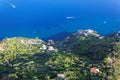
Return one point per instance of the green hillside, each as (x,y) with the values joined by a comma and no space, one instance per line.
(84,55)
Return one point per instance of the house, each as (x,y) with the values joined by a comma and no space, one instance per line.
(51,48)
(43,47)
(51,42)
(60,76)
(94,70)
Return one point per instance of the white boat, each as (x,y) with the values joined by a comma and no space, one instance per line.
(70,17)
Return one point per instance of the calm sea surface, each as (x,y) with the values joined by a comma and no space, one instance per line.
(52,18)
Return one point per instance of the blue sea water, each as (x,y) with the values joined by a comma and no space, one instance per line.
(49,18)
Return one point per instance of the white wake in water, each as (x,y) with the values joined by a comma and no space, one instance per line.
(12,5)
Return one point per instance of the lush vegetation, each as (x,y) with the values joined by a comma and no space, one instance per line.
(23,59)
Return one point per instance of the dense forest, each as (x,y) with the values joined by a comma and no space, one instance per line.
(84,55)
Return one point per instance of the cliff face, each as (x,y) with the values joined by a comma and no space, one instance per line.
(84,55)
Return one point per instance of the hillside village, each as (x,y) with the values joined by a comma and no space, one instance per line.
(83,55)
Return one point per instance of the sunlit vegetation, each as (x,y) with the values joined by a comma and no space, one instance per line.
(23,59)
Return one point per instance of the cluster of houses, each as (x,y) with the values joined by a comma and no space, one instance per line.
(49,46)
(31,41)
(86,32)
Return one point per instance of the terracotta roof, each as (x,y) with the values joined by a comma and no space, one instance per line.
(94,70)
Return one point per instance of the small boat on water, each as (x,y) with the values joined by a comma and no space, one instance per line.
(70,17)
